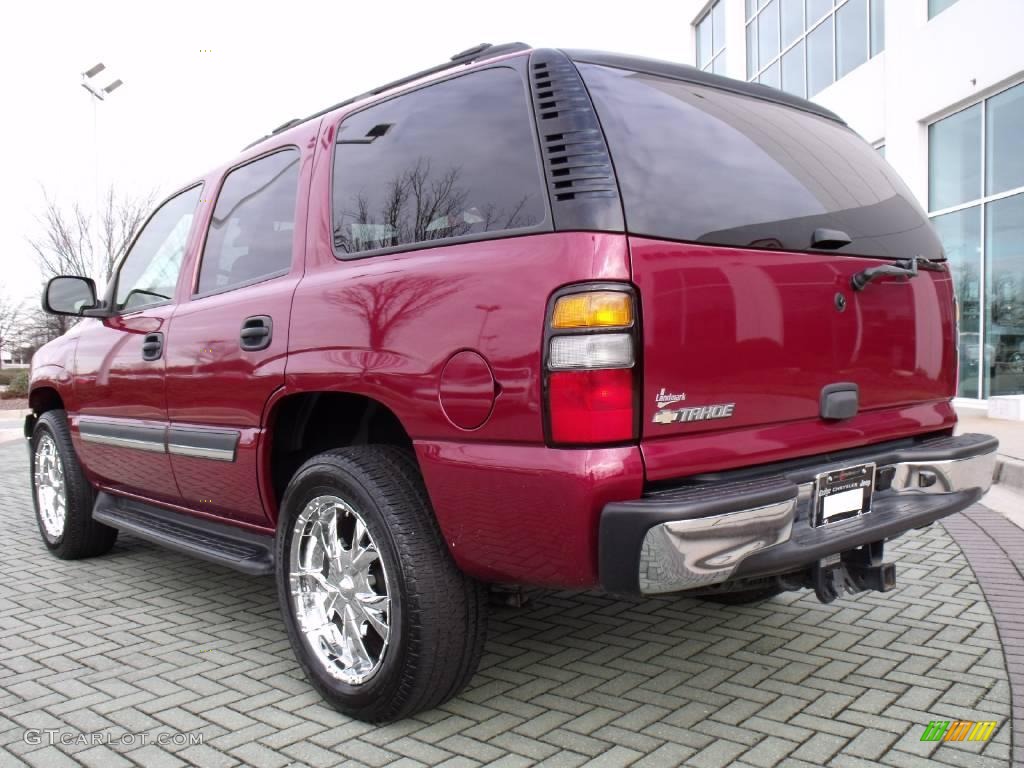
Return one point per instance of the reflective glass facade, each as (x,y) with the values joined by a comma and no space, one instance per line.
(803,46)
(976,201)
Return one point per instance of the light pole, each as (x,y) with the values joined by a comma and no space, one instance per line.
(98,94)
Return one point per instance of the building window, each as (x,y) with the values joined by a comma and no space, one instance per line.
(803,46)
(976,202)
(711,39)
(935,7)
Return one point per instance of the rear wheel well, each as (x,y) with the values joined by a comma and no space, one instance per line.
(43,399)
(303,425)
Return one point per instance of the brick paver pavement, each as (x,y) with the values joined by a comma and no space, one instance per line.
(146,641)
(995,549)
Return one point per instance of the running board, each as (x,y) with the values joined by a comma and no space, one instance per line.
(245,551)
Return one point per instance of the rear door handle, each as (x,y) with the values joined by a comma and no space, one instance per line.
(152,346)
(257,331)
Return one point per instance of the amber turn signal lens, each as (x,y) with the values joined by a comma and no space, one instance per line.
(595,309)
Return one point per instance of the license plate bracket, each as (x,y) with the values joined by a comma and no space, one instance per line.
(841,494)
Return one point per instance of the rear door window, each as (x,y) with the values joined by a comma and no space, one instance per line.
(253,224)
(700,164)
(452,161)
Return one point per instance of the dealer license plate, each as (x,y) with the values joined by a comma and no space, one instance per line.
(843,493)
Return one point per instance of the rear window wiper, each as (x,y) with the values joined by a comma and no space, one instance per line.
(906,268)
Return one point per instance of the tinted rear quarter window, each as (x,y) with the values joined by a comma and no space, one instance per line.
(453,160)
(253,223)
(702,164)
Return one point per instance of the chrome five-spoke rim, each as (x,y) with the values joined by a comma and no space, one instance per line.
(50,491)
(339,589)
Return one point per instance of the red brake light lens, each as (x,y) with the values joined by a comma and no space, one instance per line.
(590,359)
(591,406)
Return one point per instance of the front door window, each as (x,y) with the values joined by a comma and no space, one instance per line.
(149,273)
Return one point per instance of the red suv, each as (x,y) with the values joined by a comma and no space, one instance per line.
(531,317)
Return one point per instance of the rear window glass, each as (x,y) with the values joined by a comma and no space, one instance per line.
(704,165)
(457,159)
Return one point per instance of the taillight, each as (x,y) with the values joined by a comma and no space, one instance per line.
(591,367)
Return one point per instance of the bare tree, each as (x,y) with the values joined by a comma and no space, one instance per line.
(11,312)
(65,247)
(73,243)
(420,205)
(33,329)
(119,221)
(387,305)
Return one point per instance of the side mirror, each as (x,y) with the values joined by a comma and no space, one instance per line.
(69,295)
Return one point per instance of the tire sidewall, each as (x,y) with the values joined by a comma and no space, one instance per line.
(323,479)
(44,427)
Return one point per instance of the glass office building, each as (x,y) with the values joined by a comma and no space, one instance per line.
(938,86)
(976,201)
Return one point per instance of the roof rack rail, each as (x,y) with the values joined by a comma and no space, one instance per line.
(480,52)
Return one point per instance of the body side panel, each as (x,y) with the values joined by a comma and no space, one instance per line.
(115,385)
(385,326)
(526,514)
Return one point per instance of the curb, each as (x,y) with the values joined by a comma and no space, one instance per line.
(1010,473)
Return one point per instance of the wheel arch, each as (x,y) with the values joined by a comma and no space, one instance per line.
(43,398)
(300,425)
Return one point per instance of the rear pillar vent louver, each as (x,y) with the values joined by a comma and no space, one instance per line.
(579,171)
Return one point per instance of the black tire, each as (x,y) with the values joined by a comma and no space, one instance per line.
(437,614)
(744,597)
(78,536)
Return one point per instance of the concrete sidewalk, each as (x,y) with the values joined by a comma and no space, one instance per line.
(12,423)
(1007,495)
(1010,433)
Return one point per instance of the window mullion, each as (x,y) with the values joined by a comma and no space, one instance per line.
(867,28)
(983,272)
(1001,195)
(835,48)
(982,305)
(954,208)
(779,37)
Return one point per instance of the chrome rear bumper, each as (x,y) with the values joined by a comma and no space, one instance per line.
(684,554)
(756,527)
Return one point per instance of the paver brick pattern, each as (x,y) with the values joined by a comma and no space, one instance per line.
(145,640)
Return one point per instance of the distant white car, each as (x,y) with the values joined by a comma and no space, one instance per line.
(970,347)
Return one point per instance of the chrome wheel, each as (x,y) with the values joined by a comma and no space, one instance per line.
(339,590)
(51,493)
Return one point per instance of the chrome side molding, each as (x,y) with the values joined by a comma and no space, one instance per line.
(122,434)
(214,444)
